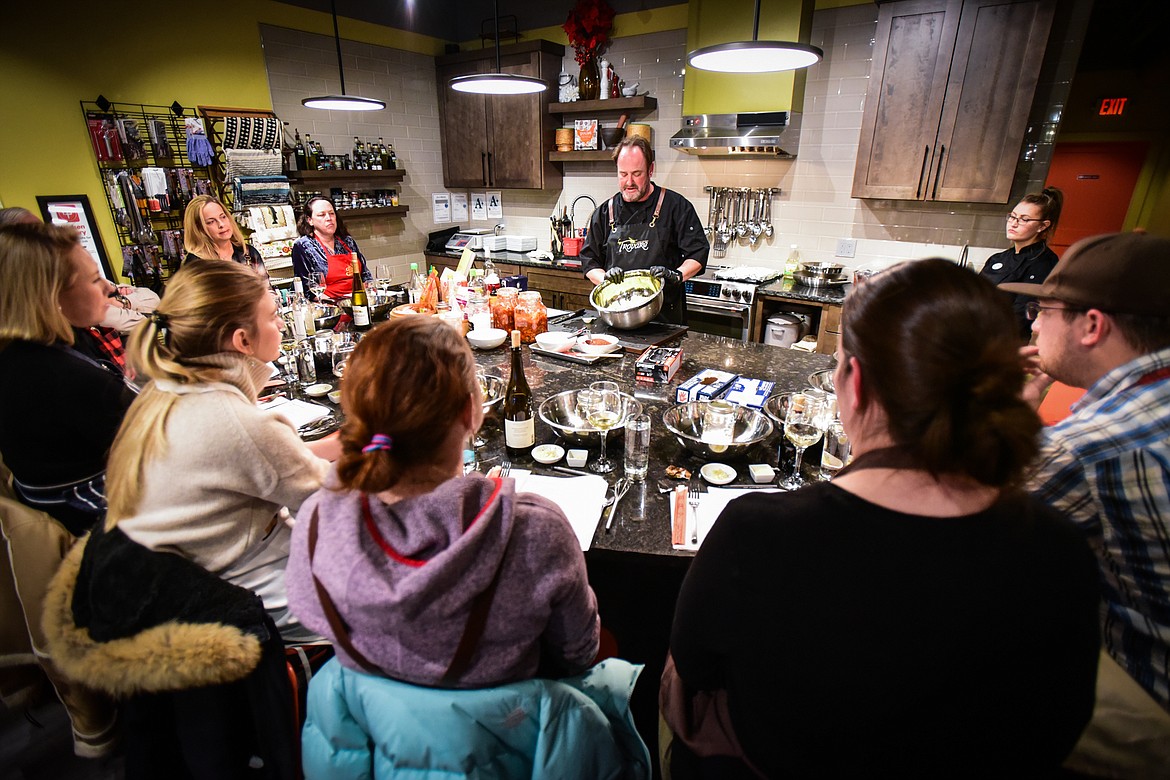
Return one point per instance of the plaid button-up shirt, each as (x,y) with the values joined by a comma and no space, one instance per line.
(1108,467)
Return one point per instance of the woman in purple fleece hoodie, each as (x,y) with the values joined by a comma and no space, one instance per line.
(403,543)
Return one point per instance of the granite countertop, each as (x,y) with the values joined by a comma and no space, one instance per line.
(518,258)
(642,525)
(790,290)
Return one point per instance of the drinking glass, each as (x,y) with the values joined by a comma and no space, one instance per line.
(637,446)
(485,382)
(317,284)
(606,410)
(341,352)
(836,452)
(605,387)
(800,428)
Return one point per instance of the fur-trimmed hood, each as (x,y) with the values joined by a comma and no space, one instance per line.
(126,620)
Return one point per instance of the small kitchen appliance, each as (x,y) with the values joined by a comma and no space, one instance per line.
(472,238)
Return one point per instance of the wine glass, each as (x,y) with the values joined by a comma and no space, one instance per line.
(317,284)
(492,392)
(801,427)
(382,274)
(606,409)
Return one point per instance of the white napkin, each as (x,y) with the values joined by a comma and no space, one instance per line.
(296,411)
(580,498)
(711,505)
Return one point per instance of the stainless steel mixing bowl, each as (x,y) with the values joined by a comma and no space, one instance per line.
(560,413)
(607,295)
(685,421)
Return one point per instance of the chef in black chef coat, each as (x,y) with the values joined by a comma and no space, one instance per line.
(646,226)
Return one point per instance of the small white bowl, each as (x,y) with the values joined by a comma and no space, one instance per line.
(577,458)
(318,390)
(717,473)
(762,473)
(553,339)
(486,338)
(601,344)
(335,397)
(547,453)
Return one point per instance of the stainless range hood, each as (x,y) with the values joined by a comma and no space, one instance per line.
(757,134)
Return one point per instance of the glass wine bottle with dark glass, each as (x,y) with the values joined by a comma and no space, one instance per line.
(519,424)
(359,302)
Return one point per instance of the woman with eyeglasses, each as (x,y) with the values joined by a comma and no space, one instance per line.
(1029,226)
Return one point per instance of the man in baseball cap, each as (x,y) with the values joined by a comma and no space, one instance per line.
(1102,322)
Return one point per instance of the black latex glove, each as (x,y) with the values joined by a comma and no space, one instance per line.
(615,275)
(668,276)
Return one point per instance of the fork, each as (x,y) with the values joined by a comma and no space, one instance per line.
(505,467)
(694,495)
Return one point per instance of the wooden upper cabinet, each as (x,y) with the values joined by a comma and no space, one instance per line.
(499,140)
(950,89)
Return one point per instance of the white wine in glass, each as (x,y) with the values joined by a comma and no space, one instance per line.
(800,428)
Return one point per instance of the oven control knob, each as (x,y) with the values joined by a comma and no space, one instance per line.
(747,296)
(726,293)
(739,294)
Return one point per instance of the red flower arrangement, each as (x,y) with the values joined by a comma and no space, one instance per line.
(588,28)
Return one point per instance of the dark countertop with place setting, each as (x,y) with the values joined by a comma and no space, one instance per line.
(642,525)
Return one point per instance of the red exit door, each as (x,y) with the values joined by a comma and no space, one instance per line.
(1098,181)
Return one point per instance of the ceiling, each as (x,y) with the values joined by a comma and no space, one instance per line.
(461,20)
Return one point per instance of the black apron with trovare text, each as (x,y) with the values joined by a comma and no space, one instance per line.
(639,245)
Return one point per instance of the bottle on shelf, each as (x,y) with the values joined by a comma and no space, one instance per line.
(301,160)
(415,285)
(792,264)
(519,425)
(359,303)
(383,155)
(393,158)
(311,161)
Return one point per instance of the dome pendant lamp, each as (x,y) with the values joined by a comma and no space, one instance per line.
(497,83)
(755,56)
(342,102)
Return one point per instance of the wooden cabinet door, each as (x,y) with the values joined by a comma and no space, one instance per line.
(514,131)
(998,52)
(907,83)
(463,129)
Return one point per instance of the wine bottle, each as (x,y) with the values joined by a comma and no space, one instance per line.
(302,161)
(311,161)
(415,286)
(359,303)
(519,425)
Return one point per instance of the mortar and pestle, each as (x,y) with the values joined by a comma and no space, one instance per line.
(612,136)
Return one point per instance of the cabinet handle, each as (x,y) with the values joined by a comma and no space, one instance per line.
(491,173)
(483,166)
(922,172)
(938,172)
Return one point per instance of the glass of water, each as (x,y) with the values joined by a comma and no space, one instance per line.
(637,446)
(836,452)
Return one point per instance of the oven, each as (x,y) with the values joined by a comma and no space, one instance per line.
(719,307)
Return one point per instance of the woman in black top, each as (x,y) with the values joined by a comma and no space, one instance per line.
(59,409)
(919,616)
(1029,227)
(211,233)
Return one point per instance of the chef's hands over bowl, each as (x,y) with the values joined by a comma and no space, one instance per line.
(615,275)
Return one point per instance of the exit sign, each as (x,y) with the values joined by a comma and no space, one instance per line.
(1112,106)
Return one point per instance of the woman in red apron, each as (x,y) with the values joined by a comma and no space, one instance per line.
(326,247)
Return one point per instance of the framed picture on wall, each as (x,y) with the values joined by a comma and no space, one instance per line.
(74,211)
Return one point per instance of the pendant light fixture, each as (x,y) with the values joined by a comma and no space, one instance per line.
(755,56)
(498,83)
(342,102)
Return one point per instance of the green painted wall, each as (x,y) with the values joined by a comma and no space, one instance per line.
(54,55)
(722,21)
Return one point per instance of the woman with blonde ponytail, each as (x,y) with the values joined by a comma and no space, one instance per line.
(919,615)
(197,468)
(403,544)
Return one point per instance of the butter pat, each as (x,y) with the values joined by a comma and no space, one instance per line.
(577,458)
(762,473)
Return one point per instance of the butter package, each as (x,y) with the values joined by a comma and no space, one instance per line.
(704,386)
(658,364)
(749,392)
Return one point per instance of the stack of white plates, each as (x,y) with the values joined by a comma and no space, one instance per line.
(495,243)
(520,243)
